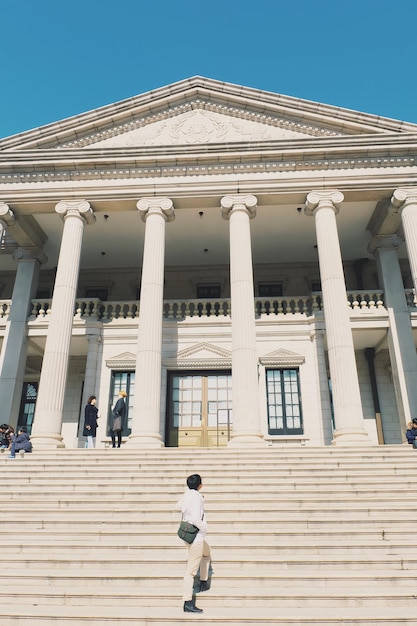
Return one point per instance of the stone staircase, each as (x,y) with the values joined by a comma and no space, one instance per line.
(320,536)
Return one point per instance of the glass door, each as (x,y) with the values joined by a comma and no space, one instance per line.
(199,409)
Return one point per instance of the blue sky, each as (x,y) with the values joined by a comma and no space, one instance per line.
(60,58)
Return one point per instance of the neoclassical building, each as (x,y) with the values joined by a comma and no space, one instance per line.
(242,263)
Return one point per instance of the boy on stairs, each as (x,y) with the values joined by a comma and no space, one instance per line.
(192,509)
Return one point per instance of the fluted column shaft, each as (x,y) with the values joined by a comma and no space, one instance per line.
(147,408)
(90,377)
(246,418)
(48,415)
(347,404)
(14,349)
(401,347)
(405,200)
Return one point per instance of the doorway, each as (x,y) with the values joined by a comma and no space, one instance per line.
(199,411)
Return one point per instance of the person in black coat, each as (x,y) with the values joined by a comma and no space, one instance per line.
(411,432)
(21,443)
(90,421)
(117,420)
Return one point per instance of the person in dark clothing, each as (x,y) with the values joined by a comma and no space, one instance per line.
(4,442)
(21,443)
(90,421)
(411,432)
(117,420)
(7,434)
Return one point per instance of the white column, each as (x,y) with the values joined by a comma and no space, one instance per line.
(401,347)
(146,426)
(49,406)
(14,349)
(405,201)
(90,377)
(347,404)
(239,209)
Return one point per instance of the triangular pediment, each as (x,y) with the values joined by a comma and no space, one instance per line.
(125,360)
(200,126)
(203,350)
(281,358)
(202,111)
(200,355)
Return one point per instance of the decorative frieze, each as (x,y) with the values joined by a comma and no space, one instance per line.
(199,104)
(256,166)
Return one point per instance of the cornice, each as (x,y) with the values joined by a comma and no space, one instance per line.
(263,157)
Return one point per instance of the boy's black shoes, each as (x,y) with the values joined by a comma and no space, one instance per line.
(190,607)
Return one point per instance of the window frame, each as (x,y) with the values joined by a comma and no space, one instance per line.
(285,430)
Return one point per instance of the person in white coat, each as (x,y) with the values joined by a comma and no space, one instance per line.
(192,508)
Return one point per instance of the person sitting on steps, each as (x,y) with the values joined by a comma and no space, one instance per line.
(411,432)
(21,443)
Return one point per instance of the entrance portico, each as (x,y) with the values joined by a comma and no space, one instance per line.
(294,303)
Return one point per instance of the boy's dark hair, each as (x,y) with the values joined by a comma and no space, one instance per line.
(23,429)
(194,481)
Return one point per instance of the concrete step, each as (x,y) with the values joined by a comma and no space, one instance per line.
(77,526)
(131,501)
(234,518)
(163,536)
(212,616)
(230,597)
(86,549)
(76,578)
(263,565)
(347,493)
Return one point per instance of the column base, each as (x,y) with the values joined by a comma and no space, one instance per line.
(47,442)
(351,437)
(139,442)
(246,440)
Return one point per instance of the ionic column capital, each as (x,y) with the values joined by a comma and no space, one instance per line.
(29,254)
(163,206)
(323,199)
(239,202)
(7,217)
(384,242)
(403,197)
(76,208)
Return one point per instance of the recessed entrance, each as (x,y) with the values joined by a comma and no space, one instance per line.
(199,409)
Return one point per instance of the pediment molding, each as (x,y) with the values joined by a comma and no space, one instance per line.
(123,361)
(200,356)
(272,110)
(198,122)
(282,358)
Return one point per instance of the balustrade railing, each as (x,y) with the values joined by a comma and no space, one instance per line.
(366,299)
(360,301)
(179,309)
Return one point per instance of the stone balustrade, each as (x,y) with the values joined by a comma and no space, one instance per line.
(179,309)
(366,300)
(358,301)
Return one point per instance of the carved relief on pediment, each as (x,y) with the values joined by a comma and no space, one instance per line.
(198,126)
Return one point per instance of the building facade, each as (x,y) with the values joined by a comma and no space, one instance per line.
(243,264)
